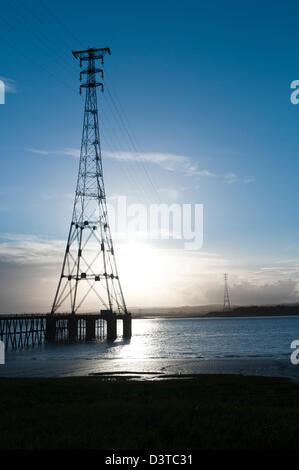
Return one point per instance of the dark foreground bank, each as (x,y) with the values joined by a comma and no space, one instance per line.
(198,412)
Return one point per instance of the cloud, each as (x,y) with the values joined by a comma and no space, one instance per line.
(40,152)
(230,178)
(205,173)
(168,161)
(10,84)
(29,249)
(71,152)
(164,159)
(174,163)
(67,151)
(283,290)
(33,264)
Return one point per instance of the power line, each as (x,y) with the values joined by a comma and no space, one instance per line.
(117,108)
(42,38)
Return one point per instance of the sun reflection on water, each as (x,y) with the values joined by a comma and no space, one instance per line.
(142,344)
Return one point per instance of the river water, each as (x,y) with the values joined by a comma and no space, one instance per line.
(159,347)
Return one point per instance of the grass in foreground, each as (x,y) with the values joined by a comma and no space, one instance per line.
(203,412)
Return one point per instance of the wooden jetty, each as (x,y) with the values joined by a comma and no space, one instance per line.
(28,330)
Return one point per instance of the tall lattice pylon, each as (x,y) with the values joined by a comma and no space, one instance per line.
(226,301)
(89,279)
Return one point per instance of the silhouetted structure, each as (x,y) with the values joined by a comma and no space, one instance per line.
(89,273)
(226,301)
(89,267)
(28,330)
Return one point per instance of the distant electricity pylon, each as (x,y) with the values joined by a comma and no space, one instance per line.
(89,279)
(226,301)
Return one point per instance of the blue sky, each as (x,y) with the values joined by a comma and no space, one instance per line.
(199,86)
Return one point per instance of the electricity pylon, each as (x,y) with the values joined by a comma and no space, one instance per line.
(226,302)
(89,279)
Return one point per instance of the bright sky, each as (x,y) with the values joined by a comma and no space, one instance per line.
(196,109)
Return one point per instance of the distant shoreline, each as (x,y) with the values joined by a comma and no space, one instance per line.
(216,311)
(204,312)
(211,315)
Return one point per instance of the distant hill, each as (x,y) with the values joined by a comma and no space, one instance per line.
(258,310)
(215,310)
(184,311)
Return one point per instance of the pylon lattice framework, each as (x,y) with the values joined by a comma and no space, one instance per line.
(226,301)
(89,279)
